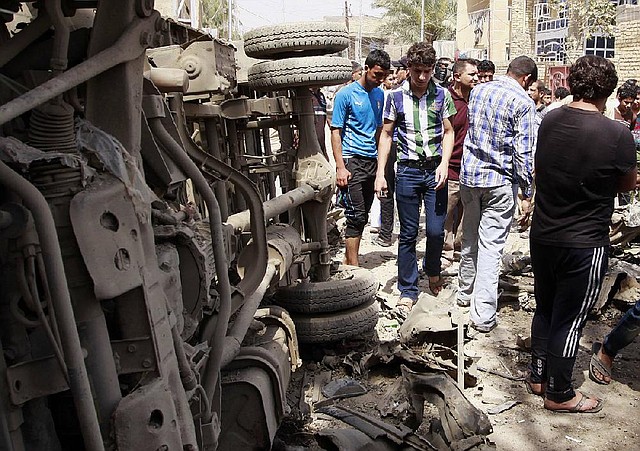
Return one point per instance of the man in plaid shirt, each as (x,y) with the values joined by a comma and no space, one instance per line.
(497,157)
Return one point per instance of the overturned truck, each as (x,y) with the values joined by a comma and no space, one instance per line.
(144,217)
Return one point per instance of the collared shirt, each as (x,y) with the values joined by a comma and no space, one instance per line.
(460,123)
(359,114)
(419,121)
(498,149)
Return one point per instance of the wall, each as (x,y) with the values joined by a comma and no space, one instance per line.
(627,41)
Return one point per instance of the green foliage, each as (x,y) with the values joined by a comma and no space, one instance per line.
(402,20)
(214,14)
(586,19)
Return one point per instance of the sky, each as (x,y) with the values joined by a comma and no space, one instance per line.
(256,13)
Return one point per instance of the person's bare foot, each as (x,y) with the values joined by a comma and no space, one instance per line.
(580,403)
(435,284)
(535,388)
(600,365)
(606,361)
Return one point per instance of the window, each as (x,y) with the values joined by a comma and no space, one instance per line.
(541,10)
(562,10)
(550,50)
(601,46)
(627,2)
(555,24)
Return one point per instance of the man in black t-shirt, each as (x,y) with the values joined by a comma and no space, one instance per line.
(582,160)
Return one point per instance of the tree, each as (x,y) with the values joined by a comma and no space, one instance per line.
(403,18)
(587,18)
(215,15)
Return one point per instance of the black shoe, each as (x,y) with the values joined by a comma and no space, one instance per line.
(382,242)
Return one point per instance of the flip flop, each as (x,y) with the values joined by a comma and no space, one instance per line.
(578,407)
(531,391)
(595,364)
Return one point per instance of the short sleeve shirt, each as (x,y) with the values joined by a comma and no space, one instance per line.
(419,121)
(580,157)
(358,114)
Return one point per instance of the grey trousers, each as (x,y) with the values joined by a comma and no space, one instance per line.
(488,213)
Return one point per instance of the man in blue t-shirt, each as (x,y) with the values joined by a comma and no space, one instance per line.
(355,128)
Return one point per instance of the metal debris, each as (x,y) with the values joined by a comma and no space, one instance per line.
(343,388)
(459,420)
(502,407)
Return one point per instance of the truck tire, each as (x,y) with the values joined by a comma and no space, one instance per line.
(303,71)
(349,287)
(331,327)
(296,39)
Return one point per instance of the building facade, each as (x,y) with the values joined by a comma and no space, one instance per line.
(502,29)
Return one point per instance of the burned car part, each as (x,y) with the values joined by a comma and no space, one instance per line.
(144,215)
(347,288)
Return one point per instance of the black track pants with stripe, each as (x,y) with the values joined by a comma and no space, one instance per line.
(567,284)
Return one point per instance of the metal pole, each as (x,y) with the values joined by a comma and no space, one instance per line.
(359,50)
(422,23)
(230,19)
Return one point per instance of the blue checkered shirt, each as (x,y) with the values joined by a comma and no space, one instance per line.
(498,148)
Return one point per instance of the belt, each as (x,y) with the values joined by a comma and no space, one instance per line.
(428,164)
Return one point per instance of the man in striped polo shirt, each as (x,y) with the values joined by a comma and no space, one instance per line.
(496,158)
(420,111)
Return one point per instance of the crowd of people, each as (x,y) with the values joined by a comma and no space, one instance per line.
(452,141)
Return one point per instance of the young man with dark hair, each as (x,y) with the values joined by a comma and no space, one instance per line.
(536,92)
(546,97)
(356,71)
(623,113)
(355,128)
(560,93)
(419,109)
(442,71)
(401,70)
(497,157)
(465,77)
(486,70)
(582,160)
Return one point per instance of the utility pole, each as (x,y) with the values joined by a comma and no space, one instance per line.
(230,17)
(346,22)
(422,23)
(359,43)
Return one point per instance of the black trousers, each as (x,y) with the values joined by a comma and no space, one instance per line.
(567,285)
(387,204)
(356,198)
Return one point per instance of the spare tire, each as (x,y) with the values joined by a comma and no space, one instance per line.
(330,327)
(349,287)
(296,39)
(295,72)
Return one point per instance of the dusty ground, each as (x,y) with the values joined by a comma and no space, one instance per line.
(525,426)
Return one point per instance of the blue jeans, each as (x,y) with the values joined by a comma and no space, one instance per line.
(412,185)
(625,331)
